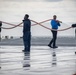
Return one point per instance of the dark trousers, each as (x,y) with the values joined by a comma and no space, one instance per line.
(53,41)
(27,40)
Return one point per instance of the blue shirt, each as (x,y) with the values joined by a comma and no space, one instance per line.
(54,24)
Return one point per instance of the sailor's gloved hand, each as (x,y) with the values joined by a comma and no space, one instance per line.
(59,21)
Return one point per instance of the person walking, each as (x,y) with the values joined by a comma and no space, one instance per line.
(26,33)
(54,23)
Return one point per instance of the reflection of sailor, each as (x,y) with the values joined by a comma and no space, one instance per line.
(54,60)
(26,60)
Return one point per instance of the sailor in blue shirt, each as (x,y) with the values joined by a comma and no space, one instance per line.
(55,24)
(26,33)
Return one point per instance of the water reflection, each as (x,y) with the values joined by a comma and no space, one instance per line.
(26,61)
(54,58)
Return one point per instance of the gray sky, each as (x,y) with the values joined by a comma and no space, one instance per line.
(34,0)
(39,10)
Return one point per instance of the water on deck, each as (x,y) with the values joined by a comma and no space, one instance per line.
(41,60)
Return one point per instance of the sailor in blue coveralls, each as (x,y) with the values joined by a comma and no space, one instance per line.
(54,23)
(26,33)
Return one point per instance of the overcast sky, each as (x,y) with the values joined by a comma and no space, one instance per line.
(39,10)
(14,10)
(34,0)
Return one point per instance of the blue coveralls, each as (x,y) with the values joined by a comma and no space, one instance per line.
(26,34)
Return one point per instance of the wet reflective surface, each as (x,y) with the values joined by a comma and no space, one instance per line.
(41,60)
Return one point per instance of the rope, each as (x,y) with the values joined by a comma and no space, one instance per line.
(22,26)
(50,28)
(14,26)
(19,25)
(41,22)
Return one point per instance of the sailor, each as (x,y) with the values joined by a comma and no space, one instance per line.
(55,24)
(26,33)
